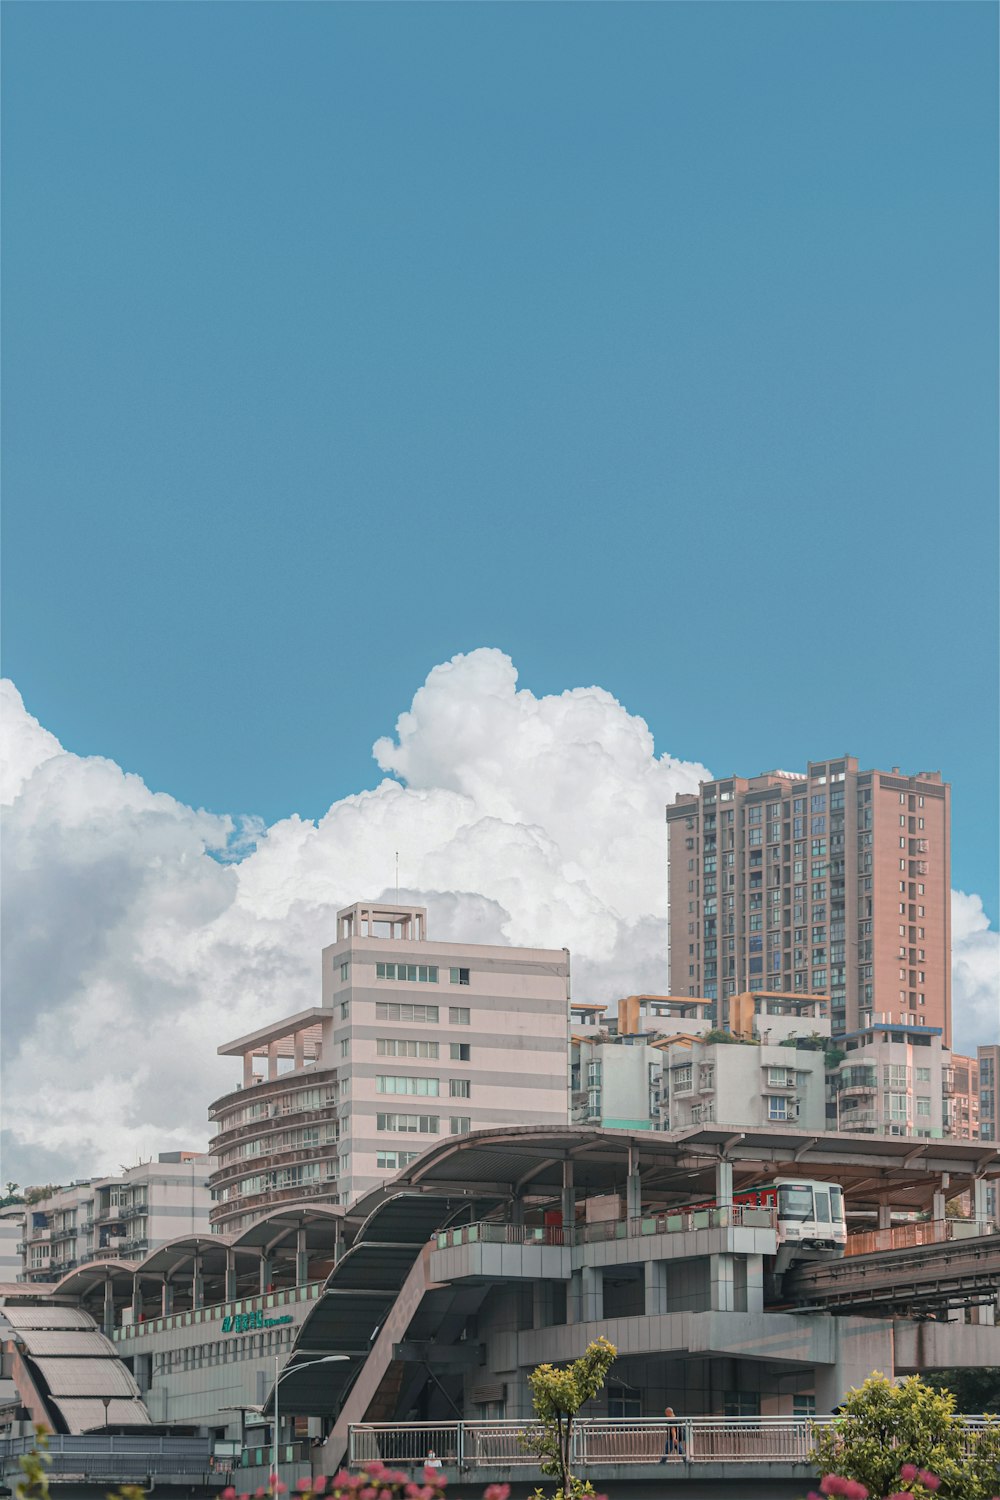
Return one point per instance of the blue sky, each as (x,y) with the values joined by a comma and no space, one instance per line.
(653,344)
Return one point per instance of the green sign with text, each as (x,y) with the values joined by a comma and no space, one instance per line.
(246,1322)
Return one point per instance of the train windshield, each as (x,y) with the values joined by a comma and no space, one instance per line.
(795,1203)
(837,1204)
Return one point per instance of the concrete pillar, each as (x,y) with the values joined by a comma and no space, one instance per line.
(633,1196)
(197,1284)
(301,1258)
(884,1216)
(517,1211)
(568,1196)
(300,1049)
(272,1060)
(755,1283)
(166,1298)
(247,1069)
(109,1307)
(591,1294)
(938,1207)
(265,1271)
(541,1304)
(979,1209)
(229,1295)
(724,1183)
(859,1345)
(656,1288)
(136,1298)
(722,1297)
(574,1298)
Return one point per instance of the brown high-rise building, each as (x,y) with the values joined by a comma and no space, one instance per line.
(836,882)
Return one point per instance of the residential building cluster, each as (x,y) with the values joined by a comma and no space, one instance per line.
(115,1218)
(809,959)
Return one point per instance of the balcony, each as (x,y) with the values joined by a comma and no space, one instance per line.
(249,1166)
(274,1198)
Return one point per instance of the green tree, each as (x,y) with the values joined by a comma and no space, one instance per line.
(976,1391)
(557,1395)
(884,1426)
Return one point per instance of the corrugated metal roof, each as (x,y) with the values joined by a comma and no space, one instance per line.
(87,1377)
(81,1415)
(47,1317)
(81,1343)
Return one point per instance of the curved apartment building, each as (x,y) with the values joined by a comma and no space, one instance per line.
(413,1040)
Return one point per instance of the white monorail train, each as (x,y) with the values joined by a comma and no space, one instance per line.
(810,1217)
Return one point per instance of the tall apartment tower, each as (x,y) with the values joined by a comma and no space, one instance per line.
(835,882)
(413,1040)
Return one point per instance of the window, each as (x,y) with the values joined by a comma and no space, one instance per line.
(460,1088)
(394,1046)
(777,1109)
(345,970)
(803,1406)
(391,1161)
(742,1403)
(461,1052)
(408,973)
(923,1106)
(345,1010)
(923,1075)
(461,1124)
(345,1046)
(387,1010)
(459,1015)
(389,1084)
(410,1124)
(459,976)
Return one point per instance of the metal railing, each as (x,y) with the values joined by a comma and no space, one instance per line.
(486,1232)
(599,1442)
(113,1459)
(911,1236)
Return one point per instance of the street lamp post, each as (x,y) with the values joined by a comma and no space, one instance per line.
(279,1375)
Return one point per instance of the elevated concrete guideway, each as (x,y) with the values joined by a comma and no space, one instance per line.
(920,1279)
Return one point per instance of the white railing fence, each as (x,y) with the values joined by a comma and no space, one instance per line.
(598,1442)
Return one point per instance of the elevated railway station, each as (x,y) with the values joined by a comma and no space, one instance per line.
(712,1258)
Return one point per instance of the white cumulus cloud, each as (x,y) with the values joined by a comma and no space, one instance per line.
(140,933)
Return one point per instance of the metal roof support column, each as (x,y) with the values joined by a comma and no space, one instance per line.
(136,1298)
(885,1214)
(109,1306)
(724,1183)
(265,1272)
(301,1258)
(633,1186)
(167,1298)
(229,1294)
(197,1284)
(940,1199)
(568,1195)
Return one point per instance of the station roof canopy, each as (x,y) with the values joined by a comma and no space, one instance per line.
(529,1162)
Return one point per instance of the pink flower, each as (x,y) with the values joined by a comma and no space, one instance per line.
(928,1480)
(260,1493)
(278,1488)
(831,1484)
(908,1473)
(496,1492)
(229,1493)
(319,1485)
